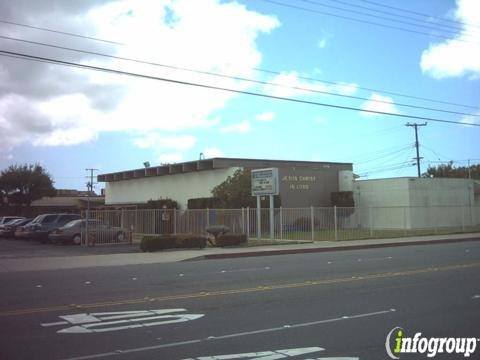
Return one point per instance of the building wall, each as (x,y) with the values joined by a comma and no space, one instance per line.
(382,203)
(415,203)
(302,183)
(307,186)
(178,187)
(451,199)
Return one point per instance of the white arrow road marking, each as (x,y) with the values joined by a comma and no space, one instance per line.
(90,328)
(55,323)
(110,321)
(476,297)
(264,355)
(273,355)
(222,337)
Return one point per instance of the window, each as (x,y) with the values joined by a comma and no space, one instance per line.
(48,219)
(63,219)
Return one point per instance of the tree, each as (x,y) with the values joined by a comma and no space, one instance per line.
(22,184)
(450,171)
(236,192)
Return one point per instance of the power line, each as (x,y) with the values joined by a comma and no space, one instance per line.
(212,87)
(362,21)
(388,159)
(376,152)
(391,167)
(406,159)
(59,32)
(436,153)
(416,13)
(385,155)
(301,88)
(454,32)
(454,161)
(456,28)
(272,72)
(372,89)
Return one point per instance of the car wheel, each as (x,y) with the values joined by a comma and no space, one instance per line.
(120,237)
(77,239)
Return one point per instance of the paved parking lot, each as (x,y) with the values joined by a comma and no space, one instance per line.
(11,248)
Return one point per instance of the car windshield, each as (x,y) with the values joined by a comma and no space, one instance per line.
(24,222)
(13,222)
(37,219)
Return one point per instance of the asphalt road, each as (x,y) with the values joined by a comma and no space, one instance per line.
(325,305)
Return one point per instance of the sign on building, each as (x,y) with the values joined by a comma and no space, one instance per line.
(265,182)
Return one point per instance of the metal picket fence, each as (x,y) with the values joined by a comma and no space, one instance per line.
(309,224)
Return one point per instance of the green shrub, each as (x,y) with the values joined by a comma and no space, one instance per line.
(151,243)
(230,239)
(190,241)
(203,203)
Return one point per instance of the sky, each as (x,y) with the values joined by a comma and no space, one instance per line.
(341,62)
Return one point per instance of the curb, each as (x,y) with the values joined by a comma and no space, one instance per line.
(326,249)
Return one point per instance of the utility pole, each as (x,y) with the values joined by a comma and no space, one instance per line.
(417,145)
(90,190)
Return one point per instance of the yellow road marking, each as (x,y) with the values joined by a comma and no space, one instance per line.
(238,291)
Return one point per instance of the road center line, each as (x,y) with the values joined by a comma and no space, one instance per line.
(241,290)
(229,336)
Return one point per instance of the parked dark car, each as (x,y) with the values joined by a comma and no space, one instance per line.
(71,233)
(44,224)
(8,230)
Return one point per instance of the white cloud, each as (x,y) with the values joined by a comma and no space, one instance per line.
(62,120)
(170,158)
(265,116)
(239,128)
(460,55)
(289,84)
(62,106)
(379,103)
(156,141)
(212,153)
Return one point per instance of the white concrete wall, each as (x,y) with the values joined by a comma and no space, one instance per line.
(415,203)
(178,187)
(382,192)
(452,200)
(382,203)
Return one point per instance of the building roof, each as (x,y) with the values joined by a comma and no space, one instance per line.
(210,164)
(66,201)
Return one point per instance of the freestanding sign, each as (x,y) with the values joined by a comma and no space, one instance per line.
(265,182)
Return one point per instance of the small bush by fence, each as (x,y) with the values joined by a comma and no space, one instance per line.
(151,243)
(231,239)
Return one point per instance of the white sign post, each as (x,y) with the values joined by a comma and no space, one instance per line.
(265,182)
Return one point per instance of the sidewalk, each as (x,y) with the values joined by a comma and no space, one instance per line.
(136,258)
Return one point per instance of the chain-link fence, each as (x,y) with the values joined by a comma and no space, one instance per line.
(311,224)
